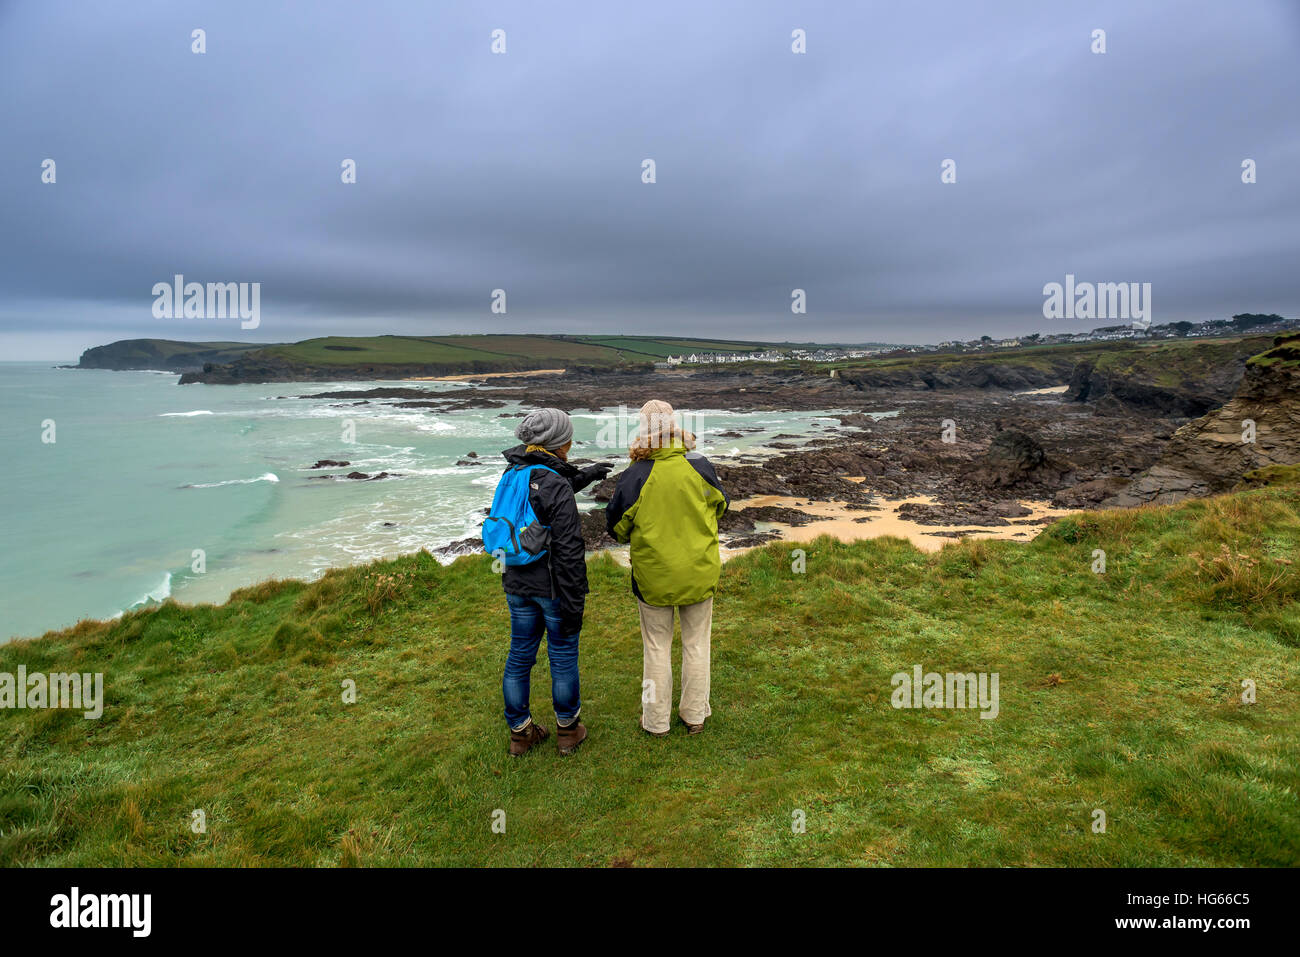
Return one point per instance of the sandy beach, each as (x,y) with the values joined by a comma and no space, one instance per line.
(850,525)
(1048,390)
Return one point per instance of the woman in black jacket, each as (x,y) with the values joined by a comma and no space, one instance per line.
(548,595)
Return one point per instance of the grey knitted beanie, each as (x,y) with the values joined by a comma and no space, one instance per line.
(549,428)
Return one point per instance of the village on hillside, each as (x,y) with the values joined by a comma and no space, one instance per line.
(1256,323)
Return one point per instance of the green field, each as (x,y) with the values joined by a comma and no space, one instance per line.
(435,350)
(505,351)
(663,347)
(1120,692)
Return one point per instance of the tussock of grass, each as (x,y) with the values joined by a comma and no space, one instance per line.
(1120,692)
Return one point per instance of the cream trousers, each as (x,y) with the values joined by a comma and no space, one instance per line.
(657,671)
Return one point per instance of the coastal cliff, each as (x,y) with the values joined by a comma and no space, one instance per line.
(167,355)
(1258,428)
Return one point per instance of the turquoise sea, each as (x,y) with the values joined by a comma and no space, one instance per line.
(142,473)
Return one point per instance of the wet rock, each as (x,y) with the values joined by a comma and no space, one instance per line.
(1089,494)
(604,490)
(1016,459)
(857,420)
(780,514)
(594,533)
(1015,450)
(950,514)
(752,541)
(464,546)
(735,520)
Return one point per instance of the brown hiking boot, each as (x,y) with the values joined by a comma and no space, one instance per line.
(691,728)
(521,742)
(653,734)
(568,739)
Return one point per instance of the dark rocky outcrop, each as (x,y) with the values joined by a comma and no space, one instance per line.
(744,519)
(1215,452)
(1185,380)
(594,533)
(1089,494)
(969,374)
(1015,459)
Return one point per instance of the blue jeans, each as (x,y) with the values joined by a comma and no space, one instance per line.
(529,618)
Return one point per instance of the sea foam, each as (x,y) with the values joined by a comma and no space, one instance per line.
(265,477)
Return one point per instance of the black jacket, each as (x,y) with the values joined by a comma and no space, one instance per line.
(563,572)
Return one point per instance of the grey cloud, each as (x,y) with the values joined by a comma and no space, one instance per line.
(523,171)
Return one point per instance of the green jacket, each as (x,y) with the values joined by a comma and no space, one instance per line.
(668,507)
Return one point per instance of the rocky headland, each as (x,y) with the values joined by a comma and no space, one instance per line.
(973,445)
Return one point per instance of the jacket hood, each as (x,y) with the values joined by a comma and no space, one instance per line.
(518,456)
(665,451)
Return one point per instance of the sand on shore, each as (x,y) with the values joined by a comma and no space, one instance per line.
(481,375)
(842,523)
(1050,390)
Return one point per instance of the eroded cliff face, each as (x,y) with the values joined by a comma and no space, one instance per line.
(1258,427)
(1190,380)
(1176,378)
(940,375)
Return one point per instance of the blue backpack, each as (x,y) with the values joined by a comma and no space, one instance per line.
(511,531)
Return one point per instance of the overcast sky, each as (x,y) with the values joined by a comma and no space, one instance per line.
(523,171)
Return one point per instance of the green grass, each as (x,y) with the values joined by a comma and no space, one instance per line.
(501,352)
(1120,692)
(1285,354)
(393,350)
(504,352)
(662,347)
(1172,362)
(1272,475)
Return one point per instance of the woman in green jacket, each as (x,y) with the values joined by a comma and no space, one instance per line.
(667,504)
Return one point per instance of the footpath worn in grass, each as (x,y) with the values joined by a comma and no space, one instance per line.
(1120,692)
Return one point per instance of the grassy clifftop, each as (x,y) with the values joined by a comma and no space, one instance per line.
(1119,692)
(1169,376)
(399,356)
(162,354)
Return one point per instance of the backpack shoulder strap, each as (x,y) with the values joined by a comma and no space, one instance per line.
(534,467)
